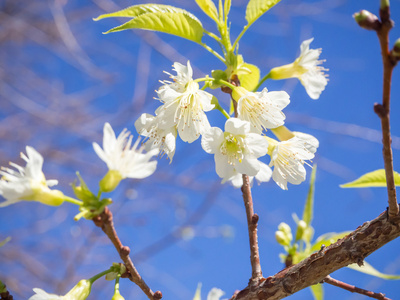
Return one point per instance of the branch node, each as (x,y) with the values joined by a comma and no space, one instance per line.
(380,110)
(125,251)
(157,295)
(254,219)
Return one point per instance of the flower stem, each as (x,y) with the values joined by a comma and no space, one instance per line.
(208,48)
(95,277)
(240,35)
(223,111)
(73,200)
(226,83)
(261,81)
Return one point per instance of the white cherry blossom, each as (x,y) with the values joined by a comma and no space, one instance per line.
(28,183)
(184,105)
(155,137)
(288,158)
(120,155)
(236,150)
(79,292)
(262,109)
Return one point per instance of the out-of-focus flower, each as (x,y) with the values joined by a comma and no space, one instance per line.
(28,183)
(236,150)
(184,105)
(262,109)
(79,292)
(123,160)
(288,158)
(306,68)
(155,137)
(214,294)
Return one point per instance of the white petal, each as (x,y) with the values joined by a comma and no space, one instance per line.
(257,143)
(215,294)
(237,126)
(212,139)
(249,166)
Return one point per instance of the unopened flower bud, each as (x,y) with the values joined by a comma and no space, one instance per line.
(285,228)
(367,20)
(301,227)
(117,296)
(281,238)
(110,181)
(80,291)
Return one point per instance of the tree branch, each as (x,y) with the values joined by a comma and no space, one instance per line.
(105,222)
(252,220)
(383,110)
(351,288)
(351,249)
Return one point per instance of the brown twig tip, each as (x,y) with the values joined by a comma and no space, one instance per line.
(254,219)
(97,221)
(125,251)
(380,110)
(157,295)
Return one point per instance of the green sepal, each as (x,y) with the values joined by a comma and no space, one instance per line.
(370,270)
(158,17)
(372,179)
(82,191)
(218,75)
(89,211)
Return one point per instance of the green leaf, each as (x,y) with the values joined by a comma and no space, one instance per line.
(249,75)
(372,179)
(370,270)
(317,291)
(5,241)
(328,239)
(197,295)
(209,8)
(162,18)
(309,206)
(256,8)
(227,6)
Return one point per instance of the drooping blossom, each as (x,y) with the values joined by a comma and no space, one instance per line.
(28,183)
(236,150)
(307,69)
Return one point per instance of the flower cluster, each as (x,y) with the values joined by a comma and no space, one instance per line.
(237,150)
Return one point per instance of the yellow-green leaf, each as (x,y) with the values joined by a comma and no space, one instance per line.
(317,291)
(249,75)
(197,295)
(309,206)
(209,8)
(372,179)
(256,8)
(227,7)
(162,18)
(370,270)
(328,239)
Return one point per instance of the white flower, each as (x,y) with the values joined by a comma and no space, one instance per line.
(264,175)
(288,158)
(79,292)
(28,183)
(262,109)
(307,69)
(236,150)
(162,139)
(120,156)
(184,105)
(214,294)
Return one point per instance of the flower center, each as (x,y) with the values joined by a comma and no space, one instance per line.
(233,147)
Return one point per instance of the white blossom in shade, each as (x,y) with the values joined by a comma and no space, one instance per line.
(288,158)
(79,292)
(264,175)
(164,140)
(184,105)
(262,109)
(120,155)
(307,69)
(236,150)
(28,183)
(215,294)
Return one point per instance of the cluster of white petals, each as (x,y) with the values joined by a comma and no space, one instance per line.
(120,155)
(214,293)
(313,78)
(28,183)
(288,158)
(263,109)
(236,150)
(42,295)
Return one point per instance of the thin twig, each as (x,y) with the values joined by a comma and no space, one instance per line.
(351,288)
(252,220)
(383,110)
(105,222)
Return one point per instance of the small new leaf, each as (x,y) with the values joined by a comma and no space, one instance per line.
(328,239)
(317,291)
(256,8)
(162,18)
(209,8)
(370,270)
(373,179)
(249,75)
(309,206)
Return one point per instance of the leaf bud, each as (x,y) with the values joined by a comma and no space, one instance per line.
(396,49)
(385,4)
(367,20)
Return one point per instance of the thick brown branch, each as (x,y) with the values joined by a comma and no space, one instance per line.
(105,222)
(252,220)
(383,110)
(354,289)
(351,249)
